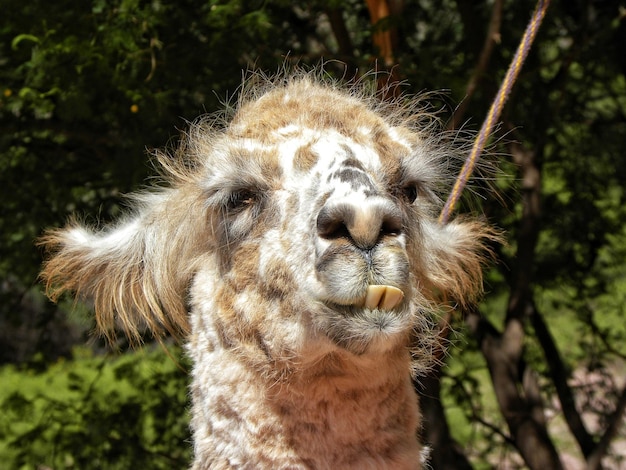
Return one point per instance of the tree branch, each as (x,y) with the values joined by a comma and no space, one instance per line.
(382,38)
(559,376)
(529,228)
(594,460)
(384,41)
(515,387)
(344,43)
(528,433)
(445,453)
(492,37)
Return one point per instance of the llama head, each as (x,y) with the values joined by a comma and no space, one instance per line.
(309,220)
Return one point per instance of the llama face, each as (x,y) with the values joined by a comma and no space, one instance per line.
(307,221)
(312,203)
(297,249)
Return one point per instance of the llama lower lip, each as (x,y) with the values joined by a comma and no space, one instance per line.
(382,297)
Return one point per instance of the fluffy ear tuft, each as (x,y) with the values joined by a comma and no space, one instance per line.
(136,273)
(459,250)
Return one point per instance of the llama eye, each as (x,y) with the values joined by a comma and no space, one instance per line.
(239,200)
(410,193)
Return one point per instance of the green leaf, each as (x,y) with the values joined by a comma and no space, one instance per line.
(23,37)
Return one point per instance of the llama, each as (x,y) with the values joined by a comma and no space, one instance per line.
(295,247)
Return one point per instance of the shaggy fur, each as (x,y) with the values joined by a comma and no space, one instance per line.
(260,250)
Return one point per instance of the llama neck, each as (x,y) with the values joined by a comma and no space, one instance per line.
(343,411)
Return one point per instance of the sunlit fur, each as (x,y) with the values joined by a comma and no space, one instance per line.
(289,369)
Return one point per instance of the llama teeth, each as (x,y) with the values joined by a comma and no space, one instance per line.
(383,297)
(373,296)
(392,297)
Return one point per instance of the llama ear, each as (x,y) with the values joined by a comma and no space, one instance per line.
(460,250)
(136,273)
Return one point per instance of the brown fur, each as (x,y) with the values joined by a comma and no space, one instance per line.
(289,368)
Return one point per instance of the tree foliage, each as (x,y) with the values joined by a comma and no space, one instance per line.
(97,412)
(535,374)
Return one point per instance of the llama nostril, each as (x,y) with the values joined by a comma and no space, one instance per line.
(391,223)
(364,225)
(333,221)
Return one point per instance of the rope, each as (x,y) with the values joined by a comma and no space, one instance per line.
(496,109)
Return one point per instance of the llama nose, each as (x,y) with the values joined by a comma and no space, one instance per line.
(364,223)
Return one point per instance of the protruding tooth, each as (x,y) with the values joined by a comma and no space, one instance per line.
(373,296)
(392,297)
(382,297)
